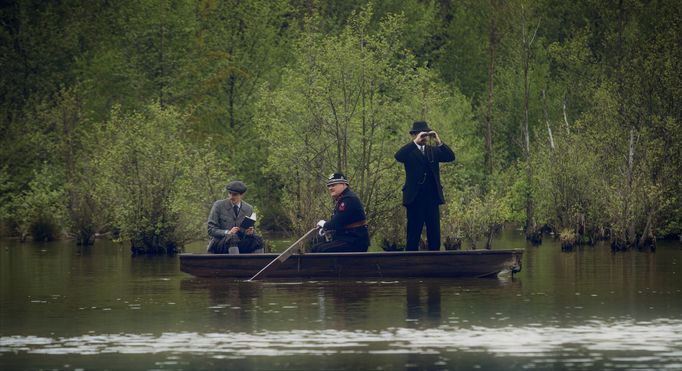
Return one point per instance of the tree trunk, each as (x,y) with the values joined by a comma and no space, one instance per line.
(80,205)
(568,127)
(530,224)
(492,48)
(231,82)
(489,237)
(549,128)
(161,57)
(647,239)
(530,210)
(627,217)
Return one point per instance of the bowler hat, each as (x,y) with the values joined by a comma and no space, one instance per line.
(419,126)
(236,186)
(336,178)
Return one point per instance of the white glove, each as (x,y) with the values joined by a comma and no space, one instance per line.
(321,224)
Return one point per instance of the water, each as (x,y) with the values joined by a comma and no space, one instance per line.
(67,307)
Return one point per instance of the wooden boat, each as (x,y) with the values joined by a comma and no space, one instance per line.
(353,265)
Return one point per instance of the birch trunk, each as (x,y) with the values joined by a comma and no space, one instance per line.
(549,128)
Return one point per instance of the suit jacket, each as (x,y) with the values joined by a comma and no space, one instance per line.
(418,166)
(222,218)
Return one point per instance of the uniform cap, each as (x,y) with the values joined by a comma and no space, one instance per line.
(336,178)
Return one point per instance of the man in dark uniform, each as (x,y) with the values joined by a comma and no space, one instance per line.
(225,221)
(422,192)
(348,225)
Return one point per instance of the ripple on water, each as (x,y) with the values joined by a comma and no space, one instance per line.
(656,343)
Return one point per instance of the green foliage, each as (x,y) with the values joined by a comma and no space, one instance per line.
(566,186)
(158,187)
(462,57)
(5,197)
(239,46)
(40,210)
(513,184)
(345,105)
(568,239)
(280,94)
(474,216)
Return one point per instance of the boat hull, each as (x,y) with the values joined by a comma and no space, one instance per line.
(414,264)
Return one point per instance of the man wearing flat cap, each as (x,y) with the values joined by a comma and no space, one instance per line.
(423,192)
(347,228)
(225,224)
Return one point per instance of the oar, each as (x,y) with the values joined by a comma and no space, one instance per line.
(282,257)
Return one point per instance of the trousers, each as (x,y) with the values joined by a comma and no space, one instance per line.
(423,211)
(349,240)
(247,245)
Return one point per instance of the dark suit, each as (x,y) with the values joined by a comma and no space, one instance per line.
(423,192)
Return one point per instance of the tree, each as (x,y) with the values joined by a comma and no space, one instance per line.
(240,45)
(528,36)
(158,186)
(40,211)
(342,106)
(476,216)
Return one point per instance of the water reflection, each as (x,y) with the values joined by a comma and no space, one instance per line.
(587,309)
(423,302)
(423,309)
(255,304)
(143,266)
(344,304)
(229,305)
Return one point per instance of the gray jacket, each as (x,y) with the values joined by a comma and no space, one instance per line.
(222,219)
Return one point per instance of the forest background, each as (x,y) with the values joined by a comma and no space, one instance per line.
(127,118)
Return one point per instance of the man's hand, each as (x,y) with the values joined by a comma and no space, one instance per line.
(233,231)
(320,224)
(249,231)
(436,138)
(421,138)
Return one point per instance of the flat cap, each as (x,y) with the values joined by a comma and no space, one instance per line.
(236,186)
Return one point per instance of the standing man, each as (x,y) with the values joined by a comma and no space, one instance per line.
(422,192)
(348,225)
(224,221)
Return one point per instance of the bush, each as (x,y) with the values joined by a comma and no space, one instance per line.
(158,186)
(474,216)
(40,211)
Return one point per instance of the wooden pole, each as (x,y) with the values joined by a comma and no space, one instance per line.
(283,256)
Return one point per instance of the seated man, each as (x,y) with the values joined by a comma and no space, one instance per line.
(348,226)
(224,221)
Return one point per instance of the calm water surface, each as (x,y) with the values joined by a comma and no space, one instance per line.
(67,307)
